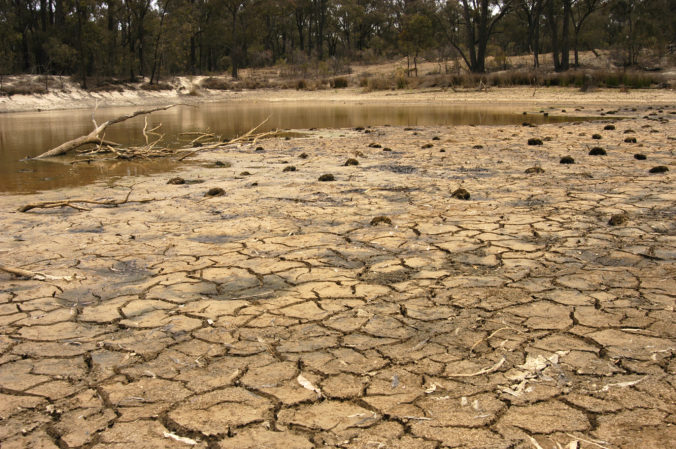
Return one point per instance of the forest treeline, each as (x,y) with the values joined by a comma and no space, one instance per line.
(128,39)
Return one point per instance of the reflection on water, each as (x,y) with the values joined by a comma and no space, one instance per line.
(30,134)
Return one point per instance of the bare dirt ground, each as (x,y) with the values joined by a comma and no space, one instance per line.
(282,315)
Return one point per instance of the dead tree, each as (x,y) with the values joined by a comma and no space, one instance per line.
(95,137)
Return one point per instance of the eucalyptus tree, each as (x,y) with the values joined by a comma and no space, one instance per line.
(468,26)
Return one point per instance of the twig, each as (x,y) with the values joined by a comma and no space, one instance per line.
(534,442)
(490,336)
(589,441)
(480,372)
(74,205)
(217,144)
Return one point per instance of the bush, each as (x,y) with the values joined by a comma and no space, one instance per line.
(301,85)
(380,83)
(215,84)
(339,83)
(156,87)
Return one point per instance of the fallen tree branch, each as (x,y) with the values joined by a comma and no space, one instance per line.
(35,275)
(74,203)
(94,136)
(244,136)
(480,372)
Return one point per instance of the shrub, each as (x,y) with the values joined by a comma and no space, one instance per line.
(216,84)
(156,87)
(339,83)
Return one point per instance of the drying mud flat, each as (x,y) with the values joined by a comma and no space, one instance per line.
(374,310)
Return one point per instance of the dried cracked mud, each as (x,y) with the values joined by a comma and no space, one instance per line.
(279,316)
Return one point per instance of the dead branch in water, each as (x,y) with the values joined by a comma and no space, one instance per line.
(248,135)
(95,137)
(78,204)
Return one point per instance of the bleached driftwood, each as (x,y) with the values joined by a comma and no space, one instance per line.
(95,137)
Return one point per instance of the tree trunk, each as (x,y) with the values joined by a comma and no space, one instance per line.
(553,29)
(565,36)
(234,53)
(81,15)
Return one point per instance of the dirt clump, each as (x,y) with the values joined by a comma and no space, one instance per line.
(460,194)
(381,219)
(659,169)
(215,191)
(618,219)
(535,170)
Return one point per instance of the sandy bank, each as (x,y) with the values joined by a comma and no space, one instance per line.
(560,97)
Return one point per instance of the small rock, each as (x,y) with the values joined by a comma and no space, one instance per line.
(460,194)
(381,220)
(215,191)
(533,170)
(630,140)
(303,156)
(597,151)
(618,219)
(534,141)
(289,168)
(427,145)
(597,136)
(327,177)
(478,147)
(659,169)
(351,161)
(176,181)
(640,157)
(609,127)
(259,149)
(436,138)
(387,149)
(374,145)
(567,160)
(245,173)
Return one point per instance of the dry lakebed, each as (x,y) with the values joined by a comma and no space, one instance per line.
(448,287)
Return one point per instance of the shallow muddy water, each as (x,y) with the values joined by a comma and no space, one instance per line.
(30,134)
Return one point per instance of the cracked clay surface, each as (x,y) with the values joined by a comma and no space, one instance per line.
(277,316)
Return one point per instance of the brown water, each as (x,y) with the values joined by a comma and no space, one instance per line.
(30,134)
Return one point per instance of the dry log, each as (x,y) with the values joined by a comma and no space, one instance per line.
(94,137)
